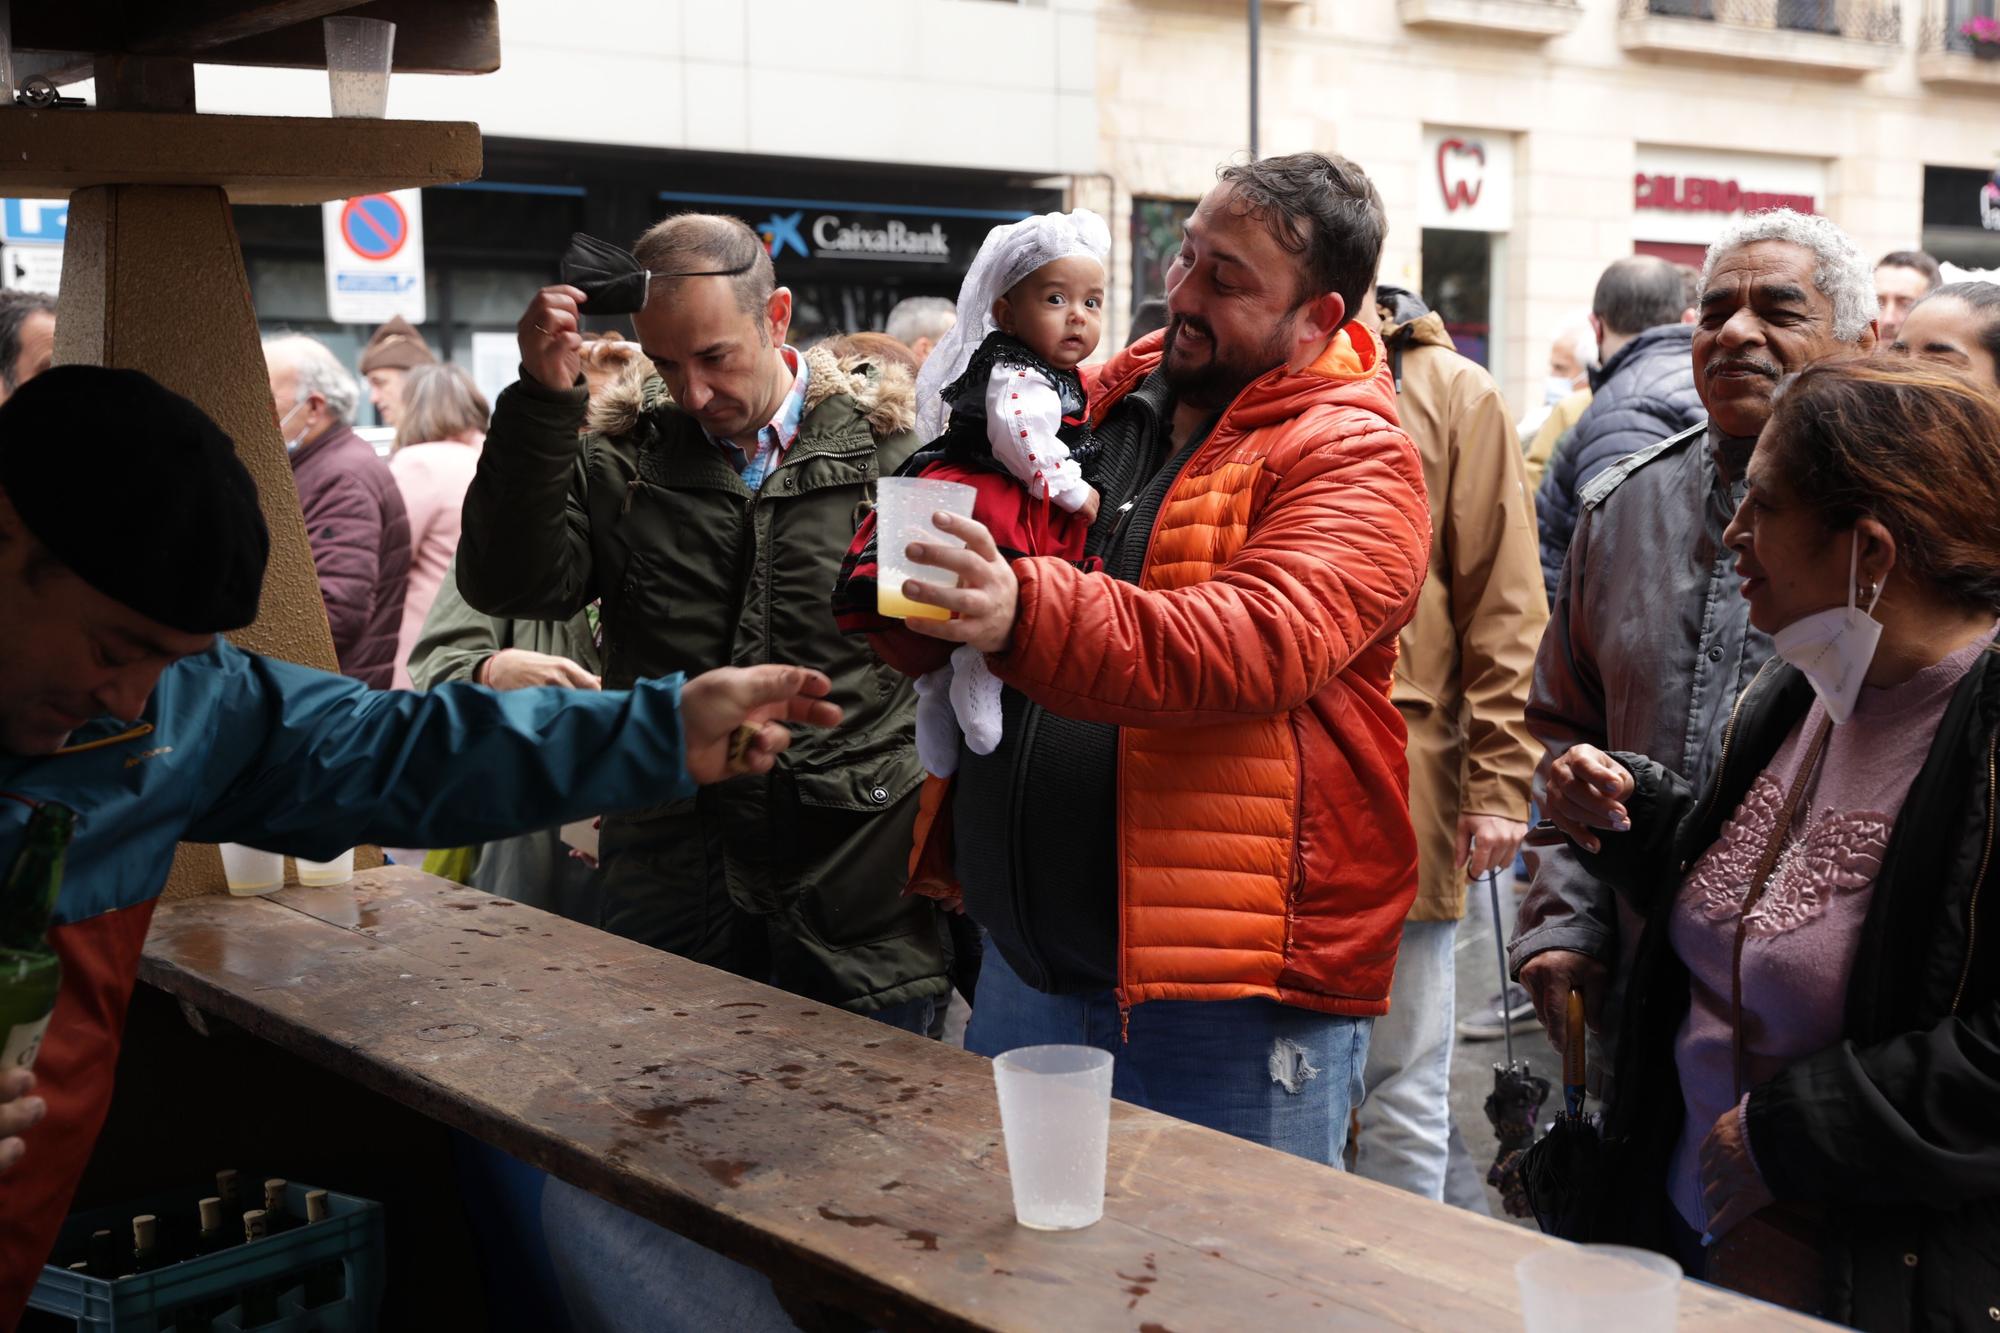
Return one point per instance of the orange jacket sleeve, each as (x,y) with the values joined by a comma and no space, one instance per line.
(1334,557)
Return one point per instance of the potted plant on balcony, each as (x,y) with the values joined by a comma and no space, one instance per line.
(1983,35)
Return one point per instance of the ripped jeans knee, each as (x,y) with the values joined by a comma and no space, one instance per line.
(1291,1068)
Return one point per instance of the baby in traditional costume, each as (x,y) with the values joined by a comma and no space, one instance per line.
(1003,407)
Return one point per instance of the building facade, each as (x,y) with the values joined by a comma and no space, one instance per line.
(1520,145)
(872,143)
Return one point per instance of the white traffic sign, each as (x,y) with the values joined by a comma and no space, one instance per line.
(375,258)
(31,268)
(42,221)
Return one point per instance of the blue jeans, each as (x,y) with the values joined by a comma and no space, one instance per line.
(1406,1119)
(1276,1075)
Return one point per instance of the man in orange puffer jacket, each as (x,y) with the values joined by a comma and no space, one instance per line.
(1195,834)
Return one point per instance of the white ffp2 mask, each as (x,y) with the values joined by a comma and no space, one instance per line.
(1834,647)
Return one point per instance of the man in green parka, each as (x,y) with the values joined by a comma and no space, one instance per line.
(709,513)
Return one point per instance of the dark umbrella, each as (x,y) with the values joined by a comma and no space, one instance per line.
(1561,1171)
(1515,1103)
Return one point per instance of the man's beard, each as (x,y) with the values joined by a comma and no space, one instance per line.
(1215,382)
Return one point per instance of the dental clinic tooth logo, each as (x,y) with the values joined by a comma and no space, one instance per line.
(1461,168)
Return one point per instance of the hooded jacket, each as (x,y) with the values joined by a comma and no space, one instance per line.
(1468,655)
(1642,395)
(359,529)
(1261,821)
(233,747)
(793,877)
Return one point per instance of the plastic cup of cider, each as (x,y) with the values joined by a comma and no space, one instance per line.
(319,874)
(250,872)
(903,510)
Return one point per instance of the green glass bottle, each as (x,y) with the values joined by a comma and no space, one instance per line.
(145,1243)
(327,1282)
(212,1237)
(30,975)
(258,1300)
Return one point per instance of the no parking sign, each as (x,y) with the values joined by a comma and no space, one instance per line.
(375,258)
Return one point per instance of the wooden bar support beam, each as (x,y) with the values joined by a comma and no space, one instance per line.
(255,159)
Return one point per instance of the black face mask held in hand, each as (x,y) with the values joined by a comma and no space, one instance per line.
(613,282)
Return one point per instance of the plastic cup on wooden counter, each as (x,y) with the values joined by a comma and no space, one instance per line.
(903,509)
(1587,1288)
(1055,1114)
(249,871)
(358,54)
(319,874)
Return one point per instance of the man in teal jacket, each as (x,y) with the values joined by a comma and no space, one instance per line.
(130,537)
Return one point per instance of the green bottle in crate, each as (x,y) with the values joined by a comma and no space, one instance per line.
(104,1260)
(277,1218)
(212,1236)
(259,1299)
(229,1191)
(145,1243)
(327,1282)
(30,976)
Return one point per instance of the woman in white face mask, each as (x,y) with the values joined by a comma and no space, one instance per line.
(1808,1101)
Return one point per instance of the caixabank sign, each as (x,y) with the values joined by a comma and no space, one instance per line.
(943,238)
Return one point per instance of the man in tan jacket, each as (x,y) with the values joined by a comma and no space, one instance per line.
(1462,686)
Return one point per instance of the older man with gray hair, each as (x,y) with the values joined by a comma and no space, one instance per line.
(1649,642)
(918,322)
(355,519)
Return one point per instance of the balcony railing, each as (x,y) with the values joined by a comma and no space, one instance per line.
(1948,56)
(1839,35)
(1520,18)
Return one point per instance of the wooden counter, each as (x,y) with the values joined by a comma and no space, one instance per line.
(859,1165)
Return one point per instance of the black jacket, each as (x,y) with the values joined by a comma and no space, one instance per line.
(1895,1131)
(1643,394)
(1049,901)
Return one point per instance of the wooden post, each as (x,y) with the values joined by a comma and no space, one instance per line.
(153,280)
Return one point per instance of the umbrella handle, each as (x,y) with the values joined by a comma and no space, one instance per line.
(1500,946)
(1573,1055)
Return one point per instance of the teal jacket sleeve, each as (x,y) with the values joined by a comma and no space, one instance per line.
(310,763)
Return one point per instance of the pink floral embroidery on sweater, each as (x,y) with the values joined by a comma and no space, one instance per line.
(1836,853)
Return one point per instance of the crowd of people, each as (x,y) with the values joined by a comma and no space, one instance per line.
(1268,634)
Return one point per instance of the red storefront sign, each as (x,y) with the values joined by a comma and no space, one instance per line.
(1700,194)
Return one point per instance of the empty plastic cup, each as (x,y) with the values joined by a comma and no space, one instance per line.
(358,53)
(1576,1289)
(903,509)
(1055,1114)
(250,872)
(319,874)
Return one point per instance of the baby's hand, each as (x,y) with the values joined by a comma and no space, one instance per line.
(1087,511)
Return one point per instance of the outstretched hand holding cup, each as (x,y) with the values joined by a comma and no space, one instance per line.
(733,718)
(905,510)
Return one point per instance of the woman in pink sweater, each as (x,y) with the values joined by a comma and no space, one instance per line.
(443,424)
(1808,1090)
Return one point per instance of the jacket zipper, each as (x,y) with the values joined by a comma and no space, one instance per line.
(1722,760)
(131,733)
(1985,860)
(1031,717)
(1295,888)
(1179,461)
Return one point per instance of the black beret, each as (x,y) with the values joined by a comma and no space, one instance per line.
(139,493)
